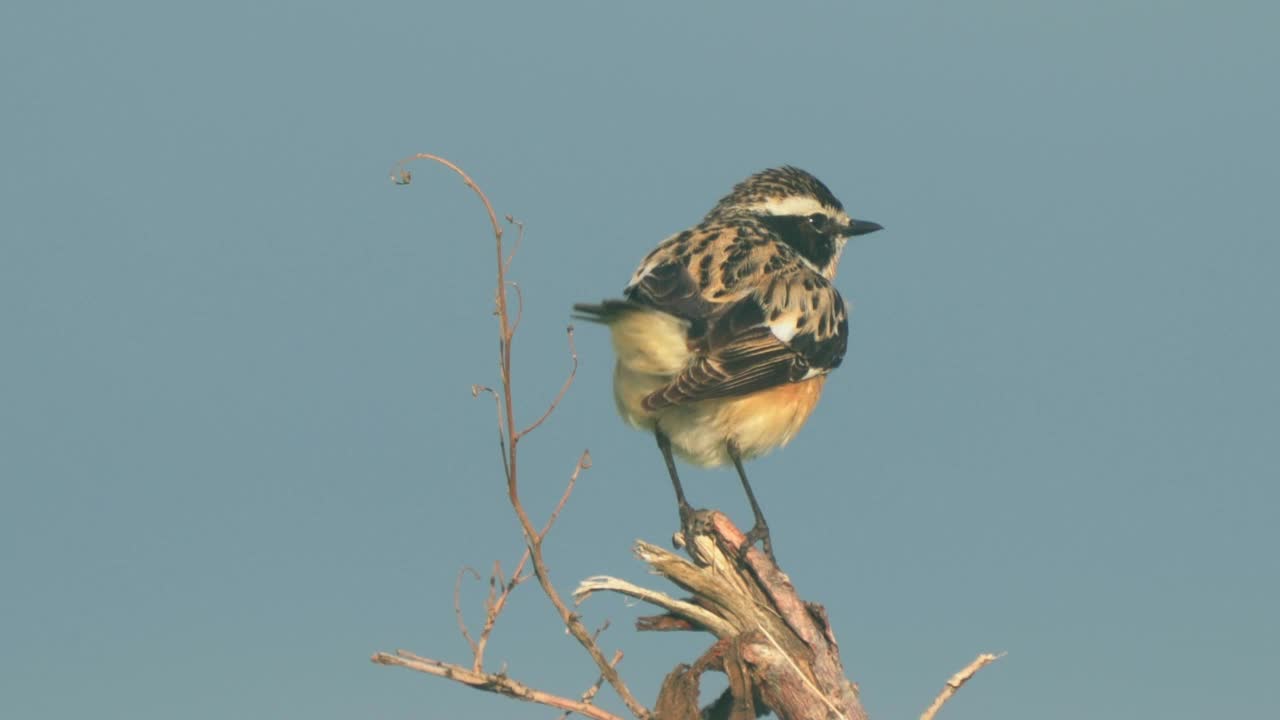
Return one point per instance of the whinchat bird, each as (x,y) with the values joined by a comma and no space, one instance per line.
(727,330)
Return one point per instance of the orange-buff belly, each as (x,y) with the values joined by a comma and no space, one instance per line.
(755,423)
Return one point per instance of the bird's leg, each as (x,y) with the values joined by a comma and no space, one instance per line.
(686,511)
(760,531)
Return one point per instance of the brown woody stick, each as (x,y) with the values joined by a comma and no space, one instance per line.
(772,644)
(957,681)
(491,682)
(509,438)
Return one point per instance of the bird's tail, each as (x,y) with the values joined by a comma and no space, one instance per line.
(603,312)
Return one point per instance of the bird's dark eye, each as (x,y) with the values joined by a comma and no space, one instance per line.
(818,222)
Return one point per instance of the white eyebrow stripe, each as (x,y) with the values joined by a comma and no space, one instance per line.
(796,205)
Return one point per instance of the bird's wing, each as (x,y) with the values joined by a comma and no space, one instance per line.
(794,326)
(671,288)
(758,315)
(696,273)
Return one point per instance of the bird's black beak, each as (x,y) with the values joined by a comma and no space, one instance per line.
(861,227)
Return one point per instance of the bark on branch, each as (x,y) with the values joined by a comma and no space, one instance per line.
(778,651)
(492,682)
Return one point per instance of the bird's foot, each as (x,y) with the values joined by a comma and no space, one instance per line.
(759,533)
(692,522)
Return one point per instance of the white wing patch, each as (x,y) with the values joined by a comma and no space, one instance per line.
(784,328)
(814,372)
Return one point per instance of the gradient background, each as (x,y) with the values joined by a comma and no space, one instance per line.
(238,449)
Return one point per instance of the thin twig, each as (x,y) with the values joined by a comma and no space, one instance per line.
(502,431)
(515,246)
(590,693)
(495,606)
(957,681)
(403,177)
(457,606)
(519,305)
(570,620)
(505,337)
(491,682)
(568,382)
(584,463)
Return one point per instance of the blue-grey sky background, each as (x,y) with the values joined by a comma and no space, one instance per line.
(238,448)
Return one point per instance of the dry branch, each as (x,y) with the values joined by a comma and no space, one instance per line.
(509,438)
(957,681)
(491,682)
(772,645)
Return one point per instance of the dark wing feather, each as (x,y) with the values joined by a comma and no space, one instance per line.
(742,292)
(670,287)
(740,355)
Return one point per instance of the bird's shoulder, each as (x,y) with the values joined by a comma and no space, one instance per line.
(710,267)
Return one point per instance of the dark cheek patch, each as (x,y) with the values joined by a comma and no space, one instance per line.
(801,236)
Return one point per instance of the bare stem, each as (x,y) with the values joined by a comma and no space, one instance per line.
(510,446)
(584,462)
(457,607)
(515,325)
(491,682)
(957,681)
(590,693)
(568,382)
(502,431)
(515,247)
(496,604)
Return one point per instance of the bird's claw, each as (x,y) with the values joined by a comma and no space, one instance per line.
(693,522)
(759,533)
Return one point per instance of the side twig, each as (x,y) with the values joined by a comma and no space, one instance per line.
(491,682)
(494,604)
(957,681)
(457,608)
